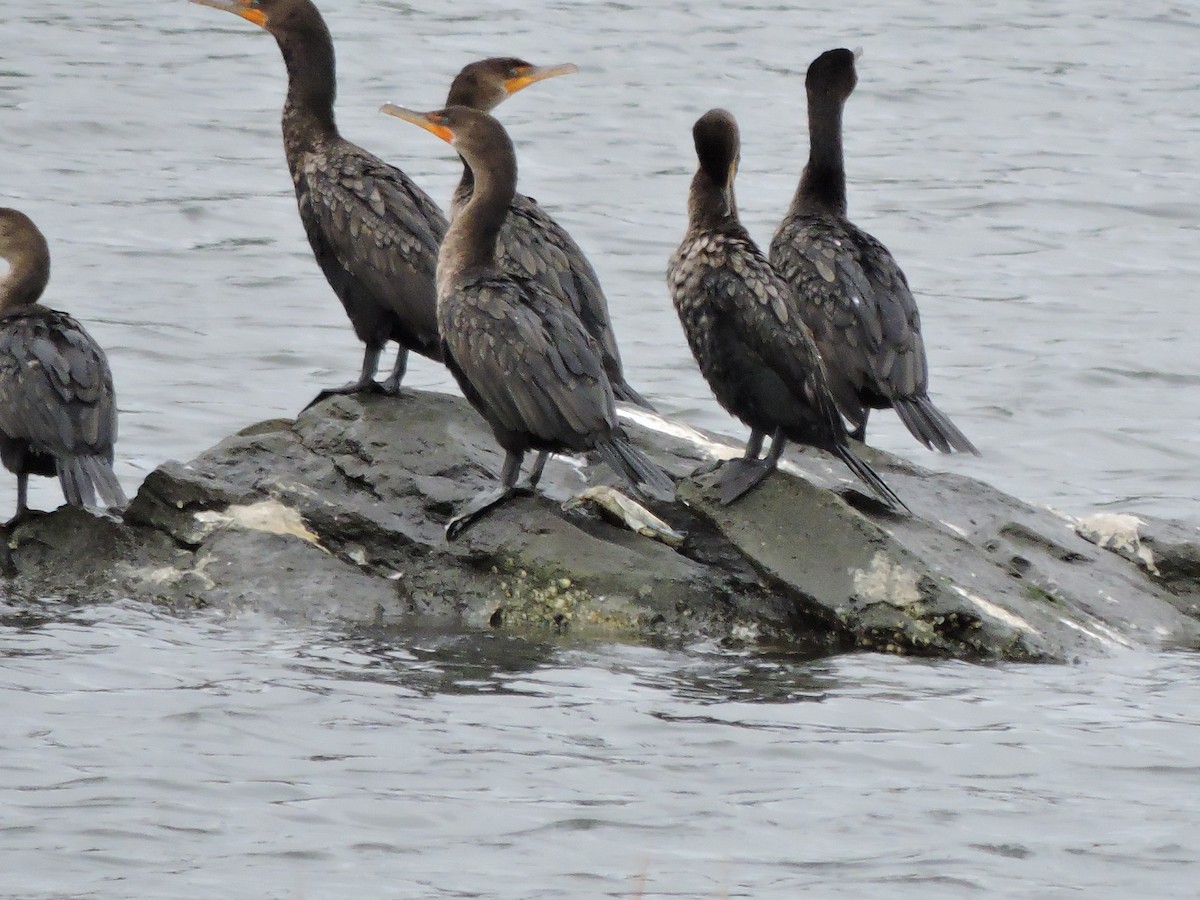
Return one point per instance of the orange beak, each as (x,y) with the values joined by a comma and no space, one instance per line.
(238,8)
(532,74)
(433,122)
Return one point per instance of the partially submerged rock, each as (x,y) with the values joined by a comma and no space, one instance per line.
(340,514)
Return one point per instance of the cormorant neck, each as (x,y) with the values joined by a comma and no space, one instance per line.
(28,274)
(466,184)
(312,81)
(711,206)
(470,243)
(823,183)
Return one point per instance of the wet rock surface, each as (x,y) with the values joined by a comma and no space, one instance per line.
(339,515)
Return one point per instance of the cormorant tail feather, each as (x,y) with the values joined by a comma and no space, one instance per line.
(871,478)
(636,468)
(623,391)
(931,427)
(83,477)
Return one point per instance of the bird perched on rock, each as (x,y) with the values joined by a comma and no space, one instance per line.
(521,356)
(373,231)
(744,326)
(531,242)
(58,412)
(852,294)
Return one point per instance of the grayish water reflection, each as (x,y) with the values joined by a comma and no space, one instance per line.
(151,757)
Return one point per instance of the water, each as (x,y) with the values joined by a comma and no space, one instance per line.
(148,756)
(1031,166)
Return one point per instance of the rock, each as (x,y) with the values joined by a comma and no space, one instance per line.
(339,515)
(1167,552)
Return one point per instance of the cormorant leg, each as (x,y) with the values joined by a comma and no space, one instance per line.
(392,385)
(860,433)
(754,444)
(366,381)
(22,500)
(753,448)
(740,476)
(778,442)
(535,474)
(486,500)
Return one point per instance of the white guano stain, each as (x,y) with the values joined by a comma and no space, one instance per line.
(654,422)
(991,610)
(1100,633)
(716,450)
(886,581)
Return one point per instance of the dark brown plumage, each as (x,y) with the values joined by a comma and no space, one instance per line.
(744,327)
(374,233)
(531,243)
(58,413)
(852,294)
(521,357)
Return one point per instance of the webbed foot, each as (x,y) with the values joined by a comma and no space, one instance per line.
(479,506)
(739,477)
(356,387)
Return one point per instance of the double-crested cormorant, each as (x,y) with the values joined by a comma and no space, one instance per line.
(531,242)
(744,327)
(58,415)
(374,233)
(521,356)
(852,294)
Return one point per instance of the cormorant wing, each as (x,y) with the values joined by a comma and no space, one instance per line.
(533,367)
(56,390)
(376,225)
(857,303)
(534,245)
(889,313)
(770,327)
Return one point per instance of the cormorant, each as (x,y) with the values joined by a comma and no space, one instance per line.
(743,324)
(58,415)
(521,356)
(374,233)
(852,294)
(531,242)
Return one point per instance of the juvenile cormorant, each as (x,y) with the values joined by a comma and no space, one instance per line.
(521,356)
(744,327)
(374,233)
(852,294)
(531,242)
(58,415)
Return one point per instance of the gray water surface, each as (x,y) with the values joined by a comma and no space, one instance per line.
(1033,167)
(152,757)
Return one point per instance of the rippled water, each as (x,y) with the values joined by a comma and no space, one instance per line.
(208,757)
(1033,167)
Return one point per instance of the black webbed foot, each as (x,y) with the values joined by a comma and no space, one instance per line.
(355,387)
(739,477)
(477,507)
(707,468)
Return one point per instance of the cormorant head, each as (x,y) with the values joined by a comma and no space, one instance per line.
(18,235)
(24,247)
(485,84)
(832,74)
(718,146)
(475,135)
(276,16)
